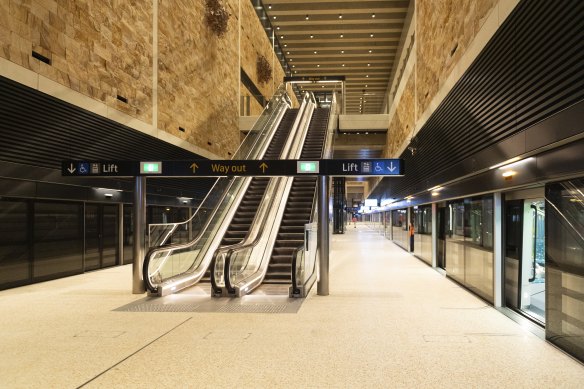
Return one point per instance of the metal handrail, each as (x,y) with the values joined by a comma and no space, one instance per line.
(295,288)
(287,151)
(281,89)
(251,238)
(210,218)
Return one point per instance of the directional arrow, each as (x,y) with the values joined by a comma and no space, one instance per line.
(391,168)
(194,166)
(263,166)
(71,169)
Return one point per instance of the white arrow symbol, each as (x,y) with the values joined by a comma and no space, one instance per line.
(391,168)
(71,169)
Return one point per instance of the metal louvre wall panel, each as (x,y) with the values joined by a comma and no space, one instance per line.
(530,70)
(39,130)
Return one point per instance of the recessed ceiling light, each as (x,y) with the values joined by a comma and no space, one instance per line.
(282,37)
(343,64)
(366,86)
(287,52)
(368,64)
(371,51)
(291,59)
(372,15)
(312,36)
(286,45)
(306,17)
(293,66)
(367,76)
(277,28)
(295,71)
(270,6)
(340,16)
(317,66)
(323,86)
(342,51)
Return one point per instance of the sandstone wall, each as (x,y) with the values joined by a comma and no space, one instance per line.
(255,42)
(197,77)
(444,30)
(101,49)
(402,123)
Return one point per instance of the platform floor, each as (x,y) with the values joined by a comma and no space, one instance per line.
(390,321)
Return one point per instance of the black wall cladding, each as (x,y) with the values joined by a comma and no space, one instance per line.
(531,69)
(39,130)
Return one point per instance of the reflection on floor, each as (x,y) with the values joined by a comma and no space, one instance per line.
(390,321)
(266,299)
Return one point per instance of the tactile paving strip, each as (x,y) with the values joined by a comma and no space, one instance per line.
(253,308)
(148,307)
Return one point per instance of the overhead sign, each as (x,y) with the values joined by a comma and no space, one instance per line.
(313,79)
(224,168)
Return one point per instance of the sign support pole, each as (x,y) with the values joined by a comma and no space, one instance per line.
(323,236)
(139,234)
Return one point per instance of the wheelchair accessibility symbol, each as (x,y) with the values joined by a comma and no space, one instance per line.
(83,168)
(379,167)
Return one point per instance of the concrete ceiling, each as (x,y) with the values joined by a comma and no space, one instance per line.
(356,39)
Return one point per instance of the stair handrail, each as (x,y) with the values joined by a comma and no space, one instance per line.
(175,247)
(300,287)
(281,93)
(283,182)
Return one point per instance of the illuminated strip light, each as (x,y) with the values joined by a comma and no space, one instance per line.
(511,162)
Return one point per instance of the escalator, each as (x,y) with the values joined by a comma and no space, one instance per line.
(299,205)
(244,216)
(169,268)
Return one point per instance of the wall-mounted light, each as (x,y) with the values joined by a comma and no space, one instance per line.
(509,173)
(108,195)
(511,162)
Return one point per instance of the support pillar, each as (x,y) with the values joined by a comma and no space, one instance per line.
(498,250)
(323,236)
(139,234)
(434,235)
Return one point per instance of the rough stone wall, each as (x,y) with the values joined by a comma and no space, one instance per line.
(255,42)
(255,107)
(98,48)
(198,77)
(444,30)
(403,121)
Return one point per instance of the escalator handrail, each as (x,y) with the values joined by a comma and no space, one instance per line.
(294,279)
(174,247)
(308,98)
(325,151)
(281,90)
(258,224)
(197,238)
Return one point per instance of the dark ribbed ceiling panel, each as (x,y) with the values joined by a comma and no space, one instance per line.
(532,68)
(40,130)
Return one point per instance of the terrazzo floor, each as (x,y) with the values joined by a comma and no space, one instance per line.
(390,321)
